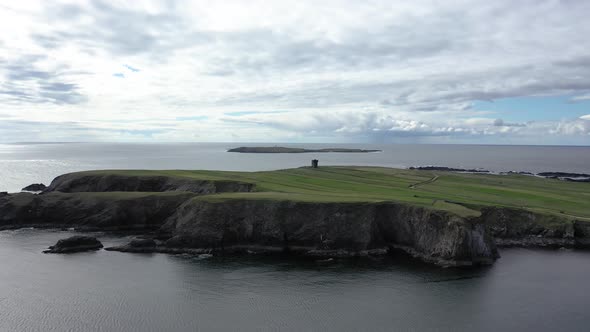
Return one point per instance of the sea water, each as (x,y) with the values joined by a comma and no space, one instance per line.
(533,290)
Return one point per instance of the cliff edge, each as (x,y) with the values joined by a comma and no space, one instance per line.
(182,217)
(324,212)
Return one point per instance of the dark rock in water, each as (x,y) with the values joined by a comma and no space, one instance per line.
(142,243)
(137,245)
(3,193)
(563,175)
(576,179)
(75,243)
(35,187)
(448,169)
(516,173)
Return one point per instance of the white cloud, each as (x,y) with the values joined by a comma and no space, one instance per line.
(93,70)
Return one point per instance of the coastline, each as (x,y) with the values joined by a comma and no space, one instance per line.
(206,212)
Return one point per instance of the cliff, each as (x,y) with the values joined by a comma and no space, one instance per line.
(111,181)
(331,229)
(89,211)
(325,212)
(522,228)
(188,222)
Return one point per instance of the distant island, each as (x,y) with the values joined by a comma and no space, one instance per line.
(280,149)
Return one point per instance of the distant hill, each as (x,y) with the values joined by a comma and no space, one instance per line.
(280,149)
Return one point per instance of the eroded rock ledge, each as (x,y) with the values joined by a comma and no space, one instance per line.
(186,223)
(521,228)
(77,243)
(327,229)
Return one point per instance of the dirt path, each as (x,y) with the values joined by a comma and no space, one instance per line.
(431,180)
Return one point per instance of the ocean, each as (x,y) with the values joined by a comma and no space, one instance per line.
(526,290)
(23,164)
(532,290)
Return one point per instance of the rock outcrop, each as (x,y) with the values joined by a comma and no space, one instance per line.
(140,245)
(448,169)
(89,211)
(100,182)
(35,187)
(77,243)
(190,224)
(330,229)
(522,228)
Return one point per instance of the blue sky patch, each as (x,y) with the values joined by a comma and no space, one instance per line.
(250,113)
(133,69)
(241,113)
(192,118)
(522,109)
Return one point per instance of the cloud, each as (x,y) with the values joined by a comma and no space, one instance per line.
(25,82)
(576,127)
(502,123)
(581,97)
(373,70)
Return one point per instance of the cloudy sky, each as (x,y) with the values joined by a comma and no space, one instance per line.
(499,72)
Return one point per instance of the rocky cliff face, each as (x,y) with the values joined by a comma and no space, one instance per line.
(316,229)
(88,210)
(92,182)
(513,227)
(331,229)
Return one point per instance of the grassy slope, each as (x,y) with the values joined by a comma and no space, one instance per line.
(463,194)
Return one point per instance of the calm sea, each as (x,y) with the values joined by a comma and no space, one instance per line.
(526,290)
(23,164)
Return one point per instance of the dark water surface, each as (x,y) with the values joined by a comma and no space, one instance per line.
(532,290)
(23,164)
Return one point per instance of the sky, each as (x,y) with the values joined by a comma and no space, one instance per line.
(475,72)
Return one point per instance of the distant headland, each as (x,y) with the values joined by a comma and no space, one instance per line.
(280,149)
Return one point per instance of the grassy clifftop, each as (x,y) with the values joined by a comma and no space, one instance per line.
(463,194)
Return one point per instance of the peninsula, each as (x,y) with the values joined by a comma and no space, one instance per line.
(279,149)
(441,217)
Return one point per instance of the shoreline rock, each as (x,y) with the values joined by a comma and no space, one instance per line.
(330,229)
(563,176)
(77,243)
(520,228)
(35,187)
(447,169)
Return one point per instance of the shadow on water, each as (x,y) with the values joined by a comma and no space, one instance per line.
(343,267)
(112,291)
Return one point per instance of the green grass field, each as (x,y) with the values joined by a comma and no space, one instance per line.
(463,194)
